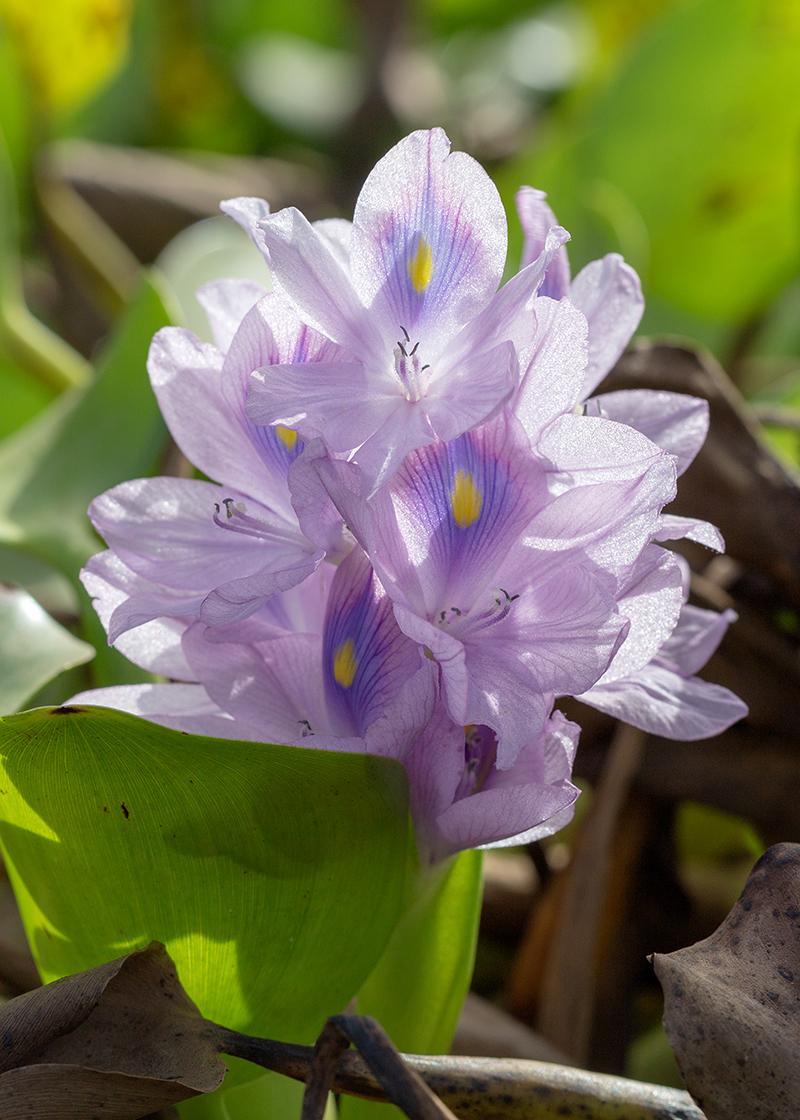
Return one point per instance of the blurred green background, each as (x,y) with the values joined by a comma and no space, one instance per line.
(665,130)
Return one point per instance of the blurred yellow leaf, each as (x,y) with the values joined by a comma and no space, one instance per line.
(69,47)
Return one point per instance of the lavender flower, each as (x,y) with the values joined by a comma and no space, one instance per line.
(423,528)
(433,344)
(196,549)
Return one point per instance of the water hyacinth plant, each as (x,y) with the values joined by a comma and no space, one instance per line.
(423,529)
(415,527)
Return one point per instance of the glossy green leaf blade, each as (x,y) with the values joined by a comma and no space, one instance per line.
(418,986)
(689,156)
(274,875)
(33,648)
(114,433)
(21,453)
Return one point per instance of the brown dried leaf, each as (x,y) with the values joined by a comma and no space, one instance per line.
(123,1037)
(735,481)
(733,1001)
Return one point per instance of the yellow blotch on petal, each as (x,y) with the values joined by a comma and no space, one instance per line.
(345,664)
(466,499)
(420,267)
(287,436)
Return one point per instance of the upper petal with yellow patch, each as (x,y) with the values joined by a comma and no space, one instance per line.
(429,239)
(460,506)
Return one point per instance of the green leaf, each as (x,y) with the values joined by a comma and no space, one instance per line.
(33,648)
(22,395)
(23,338)
(20,455)
(274,875)
(83,444)
(114,433)
(270,1095)
(418,986)
(689,156)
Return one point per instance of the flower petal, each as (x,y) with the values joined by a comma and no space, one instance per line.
(494,815)
(652,604)
(176,532)
(695,638)
(561,633)
(186,375)
(609,294)
(612,483)
(312,278)
(319,519)
(333,399)
(663,702)
(226,302)
(337,234)
(271,333)
(405,428)
(508,316)
(184,707)
(248,212)
(461,507)
(470,393)
(237,599)
(275,686)
(553,367)
(536,219)
(366,659)
(155,645)
(675,421)
(429,238)
(674,528)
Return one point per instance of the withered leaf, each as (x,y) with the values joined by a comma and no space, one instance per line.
(733,1001)
(735,481)
(123,1039)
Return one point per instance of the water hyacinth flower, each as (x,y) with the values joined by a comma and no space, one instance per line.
(423,528)
(215,551)
(497,577)
(431,338)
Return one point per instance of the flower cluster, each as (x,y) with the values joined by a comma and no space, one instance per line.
(422,528)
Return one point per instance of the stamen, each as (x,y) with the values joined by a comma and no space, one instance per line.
(238,520)
(408,368)
(463,624)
